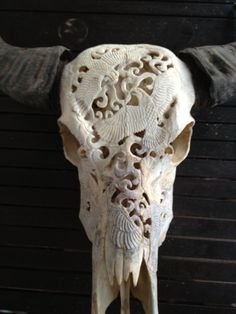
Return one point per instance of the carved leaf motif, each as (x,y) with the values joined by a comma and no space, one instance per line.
(124,123)
(124,233)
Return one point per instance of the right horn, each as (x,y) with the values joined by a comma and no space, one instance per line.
(32,75)
(214,73)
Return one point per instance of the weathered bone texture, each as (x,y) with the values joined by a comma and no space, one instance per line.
(126,125)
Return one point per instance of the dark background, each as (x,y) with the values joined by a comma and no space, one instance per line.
(45,256)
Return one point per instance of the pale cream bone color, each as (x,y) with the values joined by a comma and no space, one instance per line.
(126,125)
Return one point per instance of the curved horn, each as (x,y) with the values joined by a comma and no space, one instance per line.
(214,72)
(31,75)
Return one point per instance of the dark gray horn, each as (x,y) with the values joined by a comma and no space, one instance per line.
(31,75)
(213,70)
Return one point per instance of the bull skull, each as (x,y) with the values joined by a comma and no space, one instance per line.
(126,125)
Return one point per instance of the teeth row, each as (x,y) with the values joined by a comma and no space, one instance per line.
(120,265)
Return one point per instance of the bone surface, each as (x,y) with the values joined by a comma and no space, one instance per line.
(126,125)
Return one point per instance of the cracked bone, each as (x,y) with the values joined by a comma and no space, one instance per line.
(126,125)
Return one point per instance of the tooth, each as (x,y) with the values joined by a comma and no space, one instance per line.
(136,267)
(110,266)
(126,269)
(119,268)
(110,262)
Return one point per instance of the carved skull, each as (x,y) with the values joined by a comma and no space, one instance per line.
(126,125)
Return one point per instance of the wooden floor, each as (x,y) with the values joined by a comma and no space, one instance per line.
(45,260)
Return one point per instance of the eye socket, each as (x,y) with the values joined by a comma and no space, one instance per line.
(181,144)
(70,144)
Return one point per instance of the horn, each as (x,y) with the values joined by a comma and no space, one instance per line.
(214,73)
(32,75)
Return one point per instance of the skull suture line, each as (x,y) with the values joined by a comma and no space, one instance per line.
(126,125)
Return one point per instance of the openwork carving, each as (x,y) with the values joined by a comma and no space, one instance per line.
(126,125)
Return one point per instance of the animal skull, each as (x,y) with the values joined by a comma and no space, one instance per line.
(126,125)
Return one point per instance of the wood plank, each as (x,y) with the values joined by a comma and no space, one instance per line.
(201,1)
(39,197)
(129,7)
(207,168)
(11,106)
(68,219)
(200,292)
(215,131)
(16,115)
(172,32)
(213,150)
(54,185)
(205,187)
(39,216)
(33,159)
(68,179)
(52,142)
(45,178)
(208,228)
(196,1)
(38,303)
(48,124)
(170,267)
(14,111)
(204,207)
(56,161)
(200,247)
(34,302)
(44,238)
(64,217)
(28,122)
(46,259)
(51,282)
(28,196)
(3,311)
(26,140)
(219,114)
(194,309)
(179,268)
(76,240)
(194,165)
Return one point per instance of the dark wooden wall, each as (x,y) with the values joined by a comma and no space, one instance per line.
(45,263)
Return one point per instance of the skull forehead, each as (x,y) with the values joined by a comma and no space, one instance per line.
(115,91)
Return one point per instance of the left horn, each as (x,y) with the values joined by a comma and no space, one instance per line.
(32,75)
